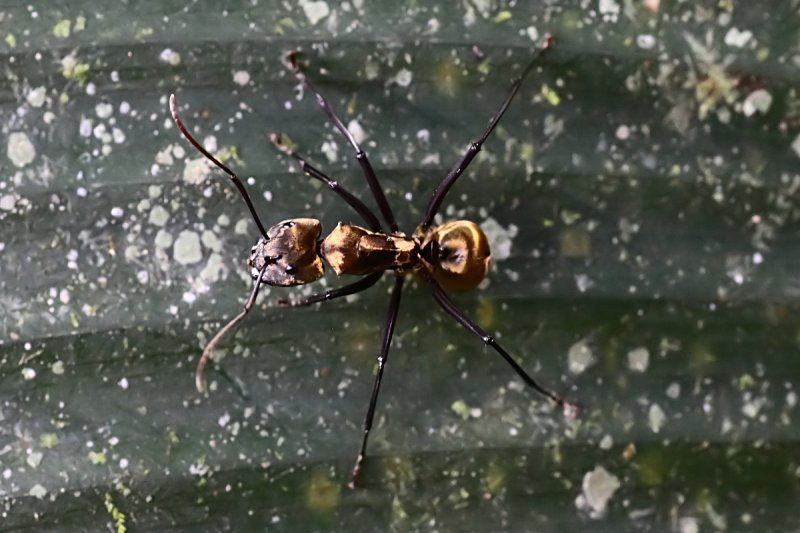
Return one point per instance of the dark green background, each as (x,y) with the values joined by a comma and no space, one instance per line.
(679,237)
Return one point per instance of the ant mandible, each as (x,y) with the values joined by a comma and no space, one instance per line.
(451,257)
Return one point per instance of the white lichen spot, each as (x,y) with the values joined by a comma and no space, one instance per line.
(123,383)
(8,202)
(583,282)
(623,132)
(163,239)
(533,33)
(85,127)
(169,56)
(355,129)
(118,135)
(38,491)
(759,100)
(158,216)
(36,97)
(688,524)
(223,420)
(104,110)
(606,442)
(117,212)
(796,144)
(28,373)
(64,296)
(241,227)
(656,418)
(638,359)
(645,41)
(674,391)
(738,38)
(241,78)
(751,408)
(580,356)
(20,149)
(57,368)
(315,10)
(211,241)
(403,78)
(500,239)
(598,487)
(196,170)
(186,249)
(609,9)
(213,269)
(34,459)
(165,156)
(331,151)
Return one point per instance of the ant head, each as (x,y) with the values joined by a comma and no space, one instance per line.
(456,254)
(290,253)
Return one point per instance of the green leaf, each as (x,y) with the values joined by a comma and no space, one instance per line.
(641,199)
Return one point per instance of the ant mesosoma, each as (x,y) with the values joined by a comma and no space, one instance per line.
(451,257)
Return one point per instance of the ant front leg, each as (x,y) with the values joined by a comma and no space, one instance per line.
(359,206)
(441,190)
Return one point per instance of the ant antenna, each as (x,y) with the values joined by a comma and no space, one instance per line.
(199,379)
(173,107)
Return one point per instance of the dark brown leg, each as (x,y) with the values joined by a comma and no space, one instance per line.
(361,156)
(450,308)
(383,355)
(361,285)
(441,190)
(359,206)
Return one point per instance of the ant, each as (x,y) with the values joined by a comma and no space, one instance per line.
(451,257)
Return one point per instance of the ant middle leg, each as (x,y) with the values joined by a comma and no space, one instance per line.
(331,294)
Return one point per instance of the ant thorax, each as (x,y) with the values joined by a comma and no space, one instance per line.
(456,254)
(354,250)
(289,254)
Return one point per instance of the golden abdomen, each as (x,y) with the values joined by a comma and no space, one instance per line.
(456,254)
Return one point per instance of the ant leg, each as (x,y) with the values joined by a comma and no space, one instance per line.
(383,355)
(450,308)
(173,108)
(199,380)
(443,188)
(361,285)
(359,206)
(361,156)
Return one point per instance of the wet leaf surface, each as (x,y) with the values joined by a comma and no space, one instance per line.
(641,196)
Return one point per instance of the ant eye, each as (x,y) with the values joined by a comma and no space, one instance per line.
(288,224)
(290,269)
